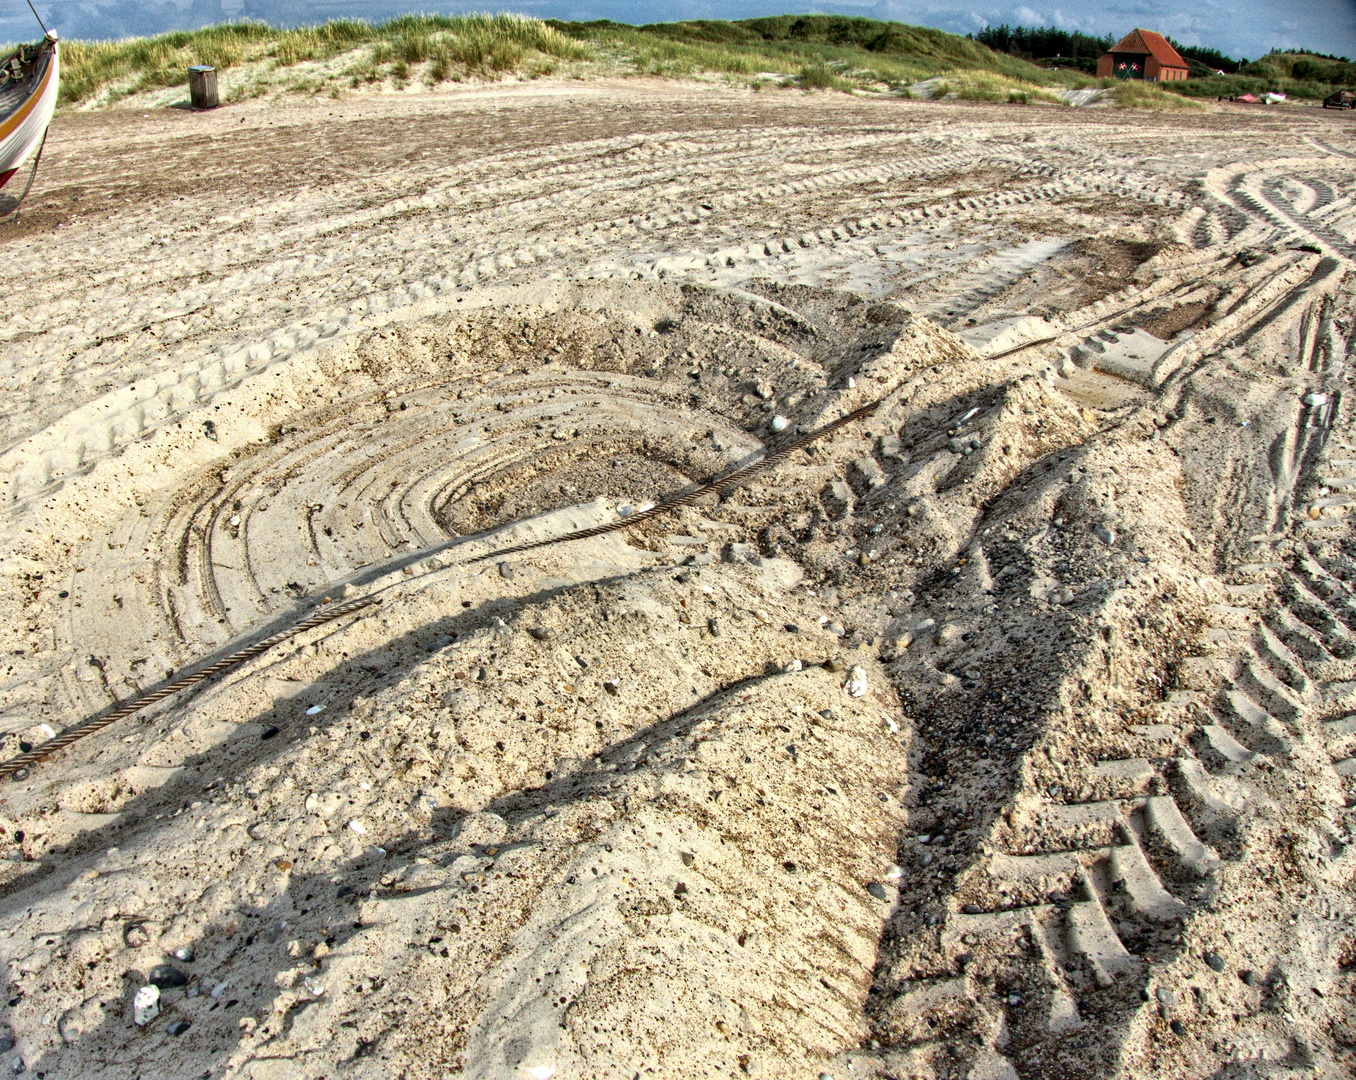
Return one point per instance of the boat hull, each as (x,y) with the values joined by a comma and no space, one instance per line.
(22,128)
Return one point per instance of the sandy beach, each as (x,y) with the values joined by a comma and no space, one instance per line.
(1009,732)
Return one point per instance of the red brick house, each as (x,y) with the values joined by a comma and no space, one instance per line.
(1142,54)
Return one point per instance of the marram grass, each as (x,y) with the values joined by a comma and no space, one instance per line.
(812,52)
(449,45)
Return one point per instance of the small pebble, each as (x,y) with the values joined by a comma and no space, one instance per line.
(837,629)
(166,977)
(714,627)
(780,423)
(972,909)
(789,867)
(146,1005)
(1214,961)
(1164,995)
(863,559)
(506,571)
(1249,978)
(791,628)
(1178,1028)
(17,1065)
(1314,400)
(269,731)
(834,663)
(856,682)
(184,954)
(894,872)
(315,710)
(877,890)
(358,827)
(178,1027)
(612,687)
(541,633)
(1105,533)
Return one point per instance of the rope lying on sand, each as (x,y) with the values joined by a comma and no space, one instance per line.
(21,763)
(673,502)
(18,767)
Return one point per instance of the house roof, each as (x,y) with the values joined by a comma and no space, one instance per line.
(1149,43)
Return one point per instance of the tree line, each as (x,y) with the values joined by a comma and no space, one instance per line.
(1047,43)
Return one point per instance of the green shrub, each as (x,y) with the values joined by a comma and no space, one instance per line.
(819,77)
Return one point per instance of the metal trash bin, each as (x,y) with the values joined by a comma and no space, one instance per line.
(202,86)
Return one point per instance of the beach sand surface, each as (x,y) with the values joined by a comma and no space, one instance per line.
(1006,732)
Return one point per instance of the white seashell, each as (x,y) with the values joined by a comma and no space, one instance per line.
(358,827)
(856,682)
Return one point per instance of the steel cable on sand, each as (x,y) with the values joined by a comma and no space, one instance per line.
(21,763)
(686,498)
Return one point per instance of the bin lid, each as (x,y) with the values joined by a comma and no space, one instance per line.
(202,67)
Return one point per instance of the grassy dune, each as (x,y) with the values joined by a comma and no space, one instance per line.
(812,52)
(437,47)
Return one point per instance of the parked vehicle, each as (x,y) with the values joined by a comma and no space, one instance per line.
(1343,99)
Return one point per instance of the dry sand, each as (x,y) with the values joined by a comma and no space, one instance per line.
(603,809)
